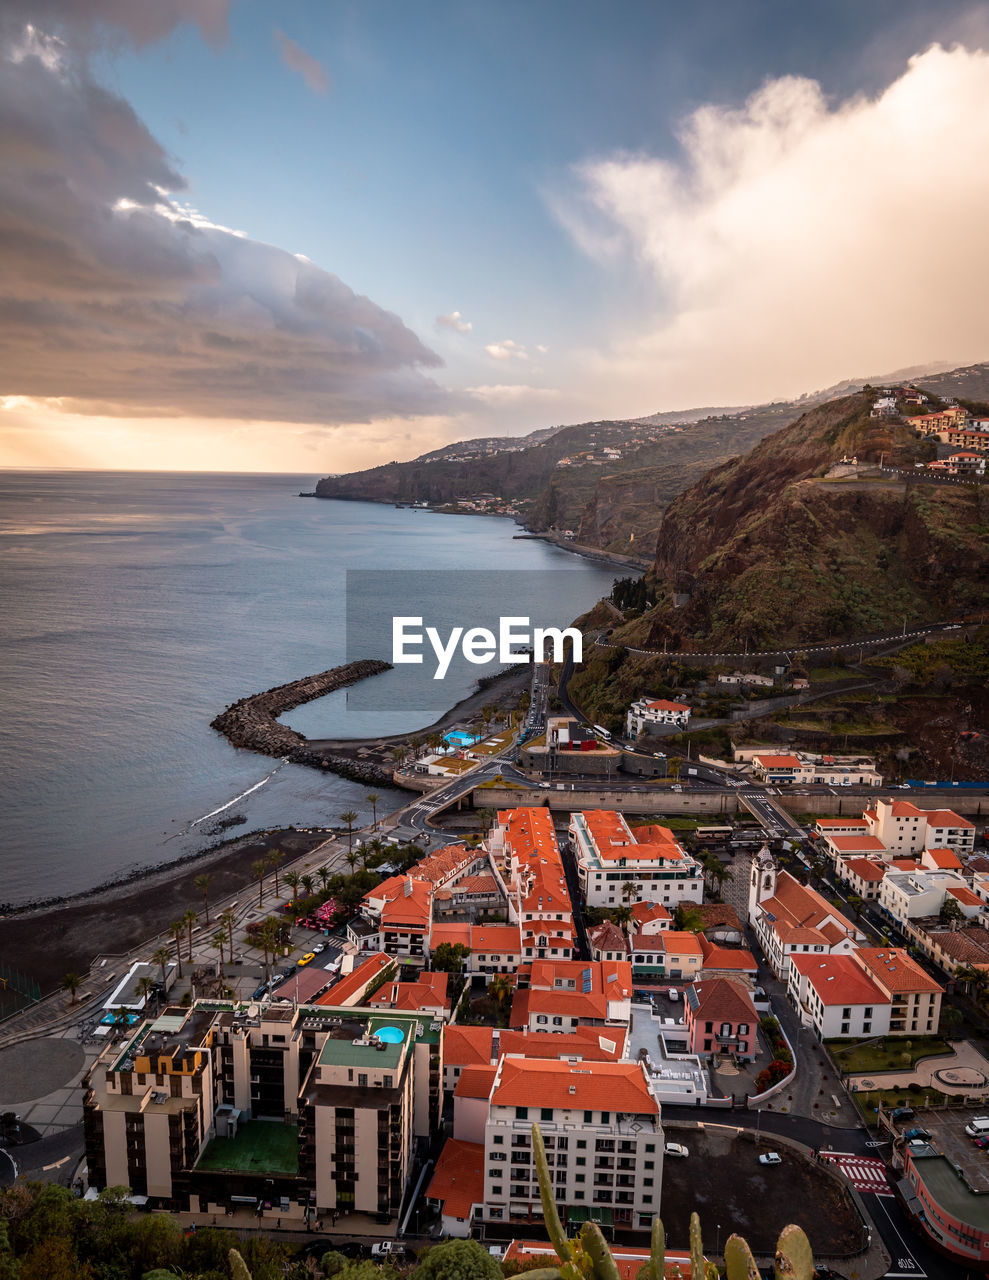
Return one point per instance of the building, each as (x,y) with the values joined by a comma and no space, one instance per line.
(556,996)
(292,1111)
(803,769)
(673,954)
(719,921)
(616,866)
(914,996)
(836,997)
(647,714)
(538,898)
(903,828)
(945,1187)
(721,1018)
(918,895)
(792,919)
(603,1136)
(950,418)
(607,942)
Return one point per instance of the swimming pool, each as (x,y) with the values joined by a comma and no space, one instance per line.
(390,1035)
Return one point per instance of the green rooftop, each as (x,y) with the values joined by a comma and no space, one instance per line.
(261,1146)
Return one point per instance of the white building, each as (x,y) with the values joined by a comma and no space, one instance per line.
(617,866)
(791,919)
(915,895)
(872,992)
(903,828)
(646,714)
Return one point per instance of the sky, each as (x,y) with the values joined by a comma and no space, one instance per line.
(319,235)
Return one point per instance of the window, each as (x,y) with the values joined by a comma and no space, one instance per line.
(844,1028)
(521,1113)
(499,1139)
(578,1195)
(387,1081)
(647,1182)
(582,1159)
(606,1117)
(647,1199)
(588,1117)
(650,1146)
(581,1143)
(546,1113)
(361,1080)
(580,1177)
(542,1019)
(648,1164)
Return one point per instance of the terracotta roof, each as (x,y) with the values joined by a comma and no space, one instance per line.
(459,1177)
(589,1043)
(945,818)
(661,704)
(680,942)
(856,844)
(721,1000)
(476,884)
(454,934)
(866,868)
(964,946)
(614,839)
(716,915)
(352,984)
(607,937)
(501,938)
(838,980)
(427,992)
(443,863)
(648,912)
(965,896)
(824,823)
(467,1046)
(894,969)
(716,957)
(797,907)
(777,762)
(605,1086)
(476,1081)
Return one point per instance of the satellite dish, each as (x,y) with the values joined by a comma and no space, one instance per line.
(253,1010)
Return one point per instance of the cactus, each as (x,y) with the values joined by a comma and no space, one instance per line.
(238,1267)
(739,1263)
(589,1258)
(794,1259)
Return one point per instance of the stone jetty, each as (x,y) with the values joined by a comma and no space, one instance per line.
(252,722)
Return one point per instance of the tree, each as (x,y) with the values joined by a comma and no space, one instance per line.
(71,983)
(500,989)
(485,817)
(373,799)
(267,940)
(161,958)
(458,1260)
(950,910)
(309,884)
(145,986)
(951,1019)
(351,859)
(274,861)
(177,929)
(332,1263)
(259,870)
(292,879)
(189,918)
(323,875)
(350,817)
(220,941)
(450,958)
(227,918)
(689,918)
(673,766)
(202,883)
(856,902)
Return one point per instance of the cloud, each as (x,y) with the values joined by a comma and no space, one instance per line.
(117,297)
(298,60)
(794,241)
(506,350)
(454,321)
(513,393)
(138,22)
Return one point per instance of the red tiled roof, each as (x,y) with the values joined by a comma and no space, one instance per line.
(661,704)
(467,1046)
(605,1086)
(647,912)
(943,859)
(856,844)
(866,868)
(459,1177)
(894,969)
(607,937)
(721,1000)
(965,896)
(716,957)
(588,1043)
(427,992)
(351,985)
(476,1081)
(945,818)
(777,762)
(838,980)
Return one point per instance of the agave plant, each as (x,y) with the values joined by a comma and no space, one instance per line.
(587,1257)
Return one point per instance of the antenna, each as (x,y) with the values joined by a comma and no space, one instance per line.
(253,1010)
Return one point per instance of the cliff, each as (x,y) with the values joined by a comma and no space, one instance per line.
(769,548)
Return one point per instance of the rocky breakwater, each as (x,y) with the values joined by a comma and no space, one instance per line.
(252,722)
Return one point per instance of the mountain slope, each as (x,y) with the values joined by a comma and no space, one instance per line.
(769,549)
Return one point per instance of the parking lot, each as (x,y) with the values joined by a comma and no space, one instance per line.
(948,1137)
(724,1183)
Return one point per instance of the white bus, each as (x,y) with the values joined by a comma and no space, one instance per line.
(602,732)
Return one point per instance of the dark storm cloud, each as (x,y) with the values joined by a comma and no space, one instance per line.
(116,298)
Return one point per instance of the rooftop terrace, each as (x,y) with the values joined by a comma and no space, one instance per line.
(261,1146)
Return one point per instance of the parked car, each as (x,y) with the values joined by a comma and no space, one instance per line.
(319,948)
(388,1249)
(771,1157)
(917,1133)
(902,1113)
(676,1149)
(673,993)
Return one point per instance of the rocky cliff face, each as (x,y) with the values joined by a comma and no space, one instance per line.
(769,548)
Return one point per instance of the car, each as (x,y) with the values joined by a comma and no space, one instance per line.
(917,1133)
(319,948)
(982,1143)
(902,1113)
(676,1149)
(771,1157)
(673,993)
(308,958)
(387,1249)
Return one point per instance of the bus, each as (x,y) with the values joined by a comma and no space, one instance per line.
(602,732)
(714,835)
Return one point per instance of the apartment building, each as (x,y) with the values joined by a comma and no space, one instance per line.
(917,895)
(914,996)
(874,991)
(835,771)
(538,897)
(646,714)
(674,953)
(617,866)
(603,1135)
(903,828)
(293,1111)
(466,1047)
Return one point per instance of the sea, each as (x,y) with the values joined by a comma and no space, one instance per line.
(136,606)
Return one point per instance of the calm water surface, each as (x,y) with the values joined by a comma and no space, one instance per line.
(134,606)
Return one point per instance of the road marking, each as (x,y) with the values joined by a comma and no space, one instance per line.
(57,1165)
(906,1260)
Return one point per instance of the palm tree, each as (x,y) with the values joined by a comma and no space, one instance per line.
(259,870)
(161,958)
(268,938)
(351,860)
(486,817)
(274,860)
(202,883)
(145,986)
(673,767)
(309,884)
(227,918)
(189,918)
(323,874)
(631,891)
(373,799)
(219,941)
(622,916)
(177,929)
(71,983)
(292,879)
(500,989)
(350,818)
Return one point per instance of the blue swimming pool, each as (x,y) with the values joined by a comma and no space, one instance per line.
(390,1035)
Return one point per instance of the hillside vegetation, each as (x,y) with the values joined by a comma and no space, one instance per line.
(768,549)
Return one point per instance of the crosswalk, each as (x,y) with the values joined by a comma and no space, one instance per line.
(865,1173)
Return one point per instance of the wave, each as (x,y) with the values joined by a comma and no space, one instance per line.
(230,803)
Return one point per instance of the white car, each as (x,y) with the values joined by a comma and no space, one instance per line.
(771,1157)
(387,1249)
(319,948)
(676,1149)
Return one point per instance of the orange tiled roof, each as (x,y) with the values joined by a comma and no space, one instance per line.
(428,991)
(459,1177)
(583,1042)
(866,868)
(895,969)
(662,704)
(647,912)
(856,844)
(838,980)
(476,1081)
(365,973)
(607,937)
(716,957)
(488,938)
(605,1086)
(965,896)
(467,1046)
(777,762)
(721,1000)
